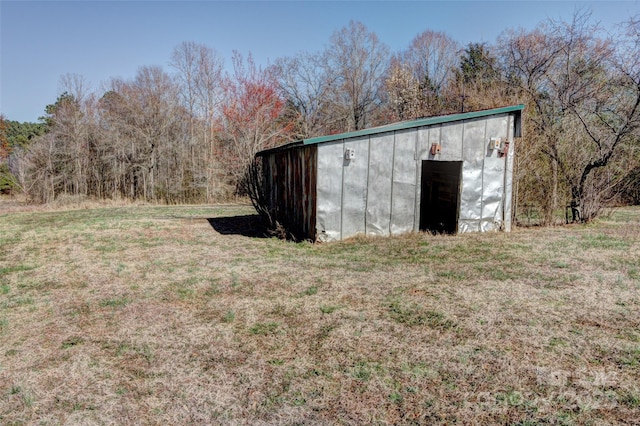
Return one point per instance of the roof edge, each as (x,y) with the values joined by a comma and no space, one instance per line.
(284,147)
(428,121)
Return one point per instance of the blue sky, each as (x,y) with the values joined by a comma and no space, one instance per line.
(43,40)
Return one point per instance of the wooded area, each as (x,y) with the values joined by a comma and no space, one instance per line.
(190,133)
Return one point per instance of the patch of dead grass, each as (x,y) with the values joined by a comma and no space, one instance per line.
(146,314)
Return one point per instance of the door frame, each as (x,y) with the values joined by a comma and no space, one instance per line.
(451,170)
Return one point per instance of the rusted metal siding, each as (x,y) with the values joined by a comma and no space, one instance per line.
(290,185)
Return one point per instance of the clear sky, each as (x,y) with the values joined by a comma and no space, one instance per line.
(43,40)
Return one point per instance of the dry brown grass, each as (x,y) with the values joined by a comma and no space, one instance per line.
(148,315)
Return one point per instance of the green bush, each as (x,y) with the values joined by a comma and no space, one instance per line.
(7,180)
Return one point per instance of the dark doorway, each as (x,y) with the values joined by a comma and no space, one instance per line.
(440,196)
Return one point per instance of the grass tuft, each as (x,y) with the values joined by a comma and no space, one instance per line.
(72,341)
(630,398)
(414,315)
(229,317)
(263,329)
(328,309)
(313,290)
(115,302)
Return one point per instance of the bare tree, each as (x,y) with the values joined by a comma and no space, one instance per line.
(138,141)
(305,81)
(479,82)
(201,87)
(38,172)
(433,57)
(184,58)
(609,118)
(252,117)
(527,59)
(584,99)
(59,161)
(149,127)
(358,62)
(200,78)
(403,93)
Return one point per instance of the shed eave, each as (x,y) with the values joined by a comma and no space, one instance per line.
(429,121)
(280,148)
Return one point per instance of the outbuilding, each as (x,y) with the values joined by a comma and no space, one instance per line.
(445,174)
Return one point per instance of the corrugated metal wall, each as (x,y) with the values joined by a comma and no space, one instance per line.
(378,192)
(290,184)
(374,193)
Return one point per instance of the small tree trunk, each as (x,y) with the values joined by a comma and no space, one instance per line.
(576,204)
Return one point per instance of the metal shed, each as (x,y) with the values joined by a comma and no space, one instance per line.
(450,174)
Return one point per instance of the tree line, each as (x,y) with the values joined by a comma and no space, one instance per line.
(190,133)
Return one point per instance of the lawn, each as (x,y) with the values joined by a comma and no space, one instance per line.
(185,315)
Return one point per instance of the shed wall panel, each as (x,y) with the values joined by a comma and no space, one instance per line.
(496,128)
(329,191)
(473,142)
(269,174)
(470,198)
(492,193)
(378,215)
(308,169)
(290,180)
(354,187)
(508,187)
(426,137)
(403,191)
(494,175)
(451,140)
(473,152)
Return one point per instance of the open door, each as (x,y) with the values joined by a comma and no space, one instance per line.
(440,196)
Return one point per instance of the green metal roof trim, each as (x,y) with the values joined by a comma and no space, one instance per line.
(414,123)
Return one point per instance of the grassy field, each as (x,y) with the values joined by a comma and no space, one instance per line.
(182,315)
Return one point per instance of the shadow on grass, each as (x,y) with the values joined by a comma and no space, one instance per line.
(247,225)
